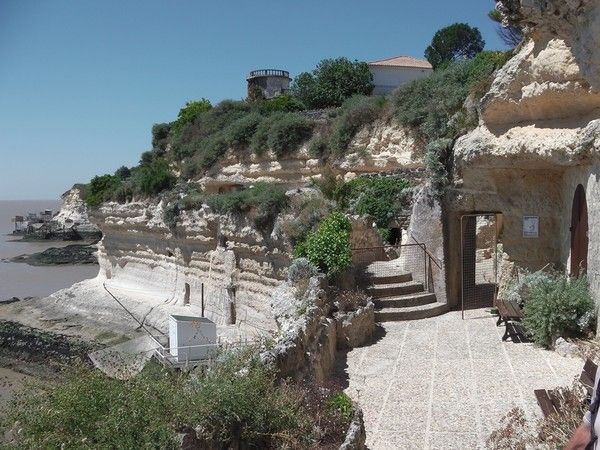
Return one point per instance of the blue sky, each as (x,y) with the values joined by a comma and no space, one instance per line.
(82,81)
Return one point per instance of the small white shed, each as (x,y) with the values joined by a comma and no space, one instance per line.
(191,338)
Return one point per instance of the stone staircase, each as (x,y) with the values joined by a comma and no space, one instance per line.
(397,296)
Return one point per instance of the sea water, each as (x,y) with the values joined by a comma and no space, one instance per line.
(21,279)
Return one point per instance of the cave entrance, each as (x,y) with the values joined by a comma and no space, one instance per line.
(479,260)
(579,233)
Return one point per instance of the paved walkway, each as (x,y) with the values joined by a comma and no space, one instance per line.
(445,382)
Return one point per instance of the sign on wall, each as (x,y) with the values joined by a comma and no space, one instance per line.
(531,226)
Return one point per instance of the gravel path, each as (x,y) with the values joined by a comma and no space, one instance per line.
(445,382)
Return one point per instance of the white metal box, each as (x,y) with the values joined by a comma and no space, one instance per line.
(191,338)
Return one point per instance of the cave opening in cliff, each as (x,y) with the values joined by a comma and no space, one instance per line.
(479,259)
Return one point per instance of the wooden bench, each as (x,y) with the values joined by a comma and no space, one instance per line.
(511,314)
(550,400)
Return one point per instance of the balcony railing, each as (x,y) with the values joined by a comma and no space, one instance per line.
(269,73)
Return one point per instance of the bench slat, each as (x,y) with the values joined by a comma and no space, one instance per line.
(545,402)
(516,309)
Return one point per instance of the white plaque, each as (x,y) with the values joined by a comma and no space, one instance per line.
(531,226)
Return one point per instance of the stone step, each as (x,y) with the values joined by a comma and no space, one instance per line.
(375,279)
(412,313)
(407,300)
(395,289)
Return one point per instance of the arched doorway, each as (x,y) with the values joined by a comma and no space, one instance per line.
(579,233)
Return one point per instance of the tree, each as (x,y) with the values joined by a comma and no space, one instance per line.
(457,41)
(511,35)
(189,112)
(332,82)
(123,172)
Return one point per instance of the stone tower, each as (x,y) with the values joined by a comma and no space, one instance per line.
(267,83)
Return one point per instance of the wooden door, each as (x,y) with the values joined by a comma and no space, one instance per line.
(579,233)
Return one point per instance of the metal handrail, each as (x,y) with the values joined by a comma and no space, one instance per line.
(437,262)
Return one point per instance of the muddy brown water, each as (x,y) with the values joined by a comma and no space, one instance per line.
(23,280)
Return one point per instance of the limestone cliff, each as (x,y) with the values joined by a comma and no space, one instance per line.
(537,140)
(384,146)
(237,265)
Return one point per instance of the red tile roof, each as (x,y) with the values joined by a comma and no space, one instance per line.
(403,61)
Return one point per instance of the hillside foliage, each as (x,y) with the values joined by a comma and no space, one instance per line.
(89,410)
(332,82)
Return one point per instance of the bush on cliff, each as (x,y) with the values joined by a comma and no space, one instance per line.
(281,103)
(191,139)
(434,105)
(287,133)
(190,112)
(328,247)
(355,113)
(152,178)
(381,198)
(101,189)
(261,202)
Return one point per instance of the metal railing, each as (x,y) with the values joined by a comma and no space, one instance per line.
(394,261)
(186,356)
(269,73)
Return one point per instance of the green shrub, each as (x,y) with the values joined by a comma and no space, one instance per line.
(90,410)
(288,133)
(429,103)
(356,112)
(332,82)
(558,307)
(240,400)
(236,400)
(438,158)
(193,138)
(381,198)
(281,132)
(160,136)
(241,131)
(155,177)
(262,202)
(281,103)
(328,247)
(305,213)
(102,189)
(317,146)
(211,150)
(190,112)
(123,172)
(342,404)
(259,143)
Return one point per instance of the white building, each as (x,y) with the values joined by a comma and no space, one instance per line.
(390,73)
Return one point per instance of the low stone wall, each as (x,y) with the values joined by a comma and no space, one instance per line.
(311,333)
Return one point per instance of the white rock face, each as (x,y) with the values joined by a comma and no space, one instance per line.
(221,264)
(73,211)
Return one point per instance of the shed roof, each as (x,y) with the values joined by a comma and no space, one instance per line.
(402,61)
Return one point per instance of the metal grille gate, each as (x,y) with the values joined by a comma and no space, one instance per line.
(479,261)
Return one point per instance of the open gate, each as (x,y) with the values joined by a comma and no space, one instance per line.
(479,260)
